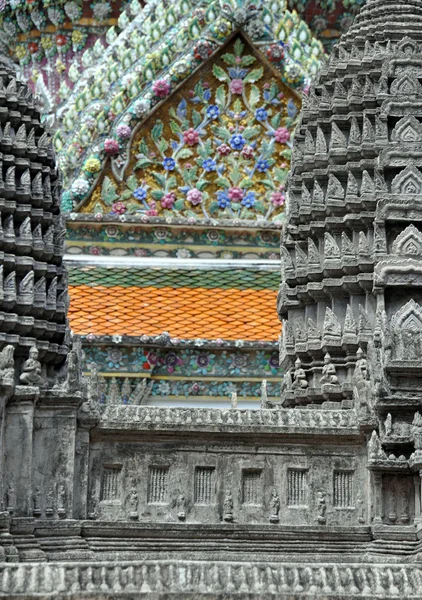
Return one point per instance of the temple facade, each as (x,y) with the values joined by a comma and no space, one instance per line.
(316,491)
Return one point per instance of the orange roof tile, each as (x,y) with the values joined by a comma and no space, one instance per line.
(186,313)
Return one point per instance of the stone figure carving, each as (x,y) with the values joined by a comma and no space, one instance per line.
(49,501)
(362,385)
(228,506)
(328,372)
(133,501)
(32,369)
(74,360)
(181,507)
(275,507)
(388,425)
(233,399)
(36,499)
(61,500)
(299,377)
(375,450)
(321,508)
(287,383)
(7,366)
(10,498)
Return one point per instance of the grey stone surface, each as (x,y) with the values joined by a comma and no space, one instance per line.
(315,495)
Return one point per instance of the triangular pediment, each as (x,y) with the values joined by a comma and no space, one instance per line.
(218,147)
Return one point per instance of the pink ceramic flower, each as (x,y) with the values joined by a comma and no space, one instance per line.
(194,196)
(224,149)
(168,200)
(111,146)
(123,131)
(191,137)
(236,86)
(247,152)
(152,213)
(235,194)
(278,199)
(95,251)
(161,88)
(119,208)
(282,135)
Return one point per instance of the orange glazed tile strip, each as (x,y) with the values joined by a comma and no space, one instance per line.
(184,312)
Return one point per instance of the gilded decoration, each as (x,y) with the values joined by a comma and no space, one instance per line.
(218,147)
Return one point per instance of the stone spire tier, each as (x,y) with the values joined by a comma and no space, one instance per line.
(33,285)
(351,296)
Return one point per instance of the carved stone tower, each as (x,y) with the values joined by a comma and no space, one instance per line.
(351,296)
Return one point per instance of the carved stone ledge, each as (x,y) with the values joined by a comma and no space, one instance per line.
(289,420)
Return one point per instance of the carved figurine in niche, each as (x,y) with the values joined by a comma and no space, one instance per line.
(233,399)
(49,502)
(32,369)
(93,504)
(133,501)
(362,385)
(406,325)
(73,383)
(228,506)
(61,500)
(321,508)
(10,498)
(417,430)
(7,366)
(275,507)
(264,395)
(287,383)
(404,504)
(299,376)
(388,425)
(181,507)
(36,499)
(328,372)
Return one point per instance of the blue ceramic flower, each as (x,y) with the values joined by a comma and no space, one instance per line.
(209,165)
(237,141)
(262,165)
(213,112)
(169,164)
(140,193)
(223,199)
(249,200)
(261,114)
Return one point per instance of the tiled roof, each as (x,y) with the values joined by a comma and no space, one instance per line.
(193,278)
(126,303)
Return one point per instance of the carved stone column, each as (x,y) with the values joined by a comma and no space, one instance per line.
(417,485)
(377,495)
(18,445)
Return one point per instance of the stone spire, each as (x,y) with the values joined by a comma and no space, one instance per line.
(33,284)
(354,198)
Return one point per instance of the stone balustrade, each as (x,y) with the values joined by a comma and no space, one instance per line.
(213,579)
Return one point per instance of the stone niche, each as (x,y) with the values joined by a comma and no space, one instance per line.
(398,493)
(404,313)
(284,484)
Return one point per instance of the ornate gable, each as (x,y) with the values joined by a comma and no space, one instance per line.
(219,146)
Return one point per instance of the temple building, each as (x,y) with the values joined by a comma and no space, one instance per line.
(162,434)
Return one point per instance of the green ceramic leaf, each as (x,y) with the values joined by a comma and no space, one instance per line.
(202,184)
(254,75)
(142,163)
(179,204)
(229,59)
(157,194)
(222,133)
(238,47)
(157,131)
(175,128)
(254,95)
(219,73)
(247,60)
(222,182)
(162,145)
(171,182)
(251,132)
(220,96)
(108,191)
(184,153)
(132,183)
(126,195)
(276,120)
(160,179)
(259,207)
(196,118)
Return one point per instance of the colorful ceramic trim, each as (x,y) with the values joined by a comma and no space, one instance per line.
(116,239)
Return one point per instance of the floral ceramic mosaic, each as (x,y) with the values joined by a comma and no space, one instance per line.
(161,48)
(223,151)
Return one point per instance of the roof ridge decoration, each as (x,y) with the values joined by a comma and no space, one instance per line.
(148,64)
